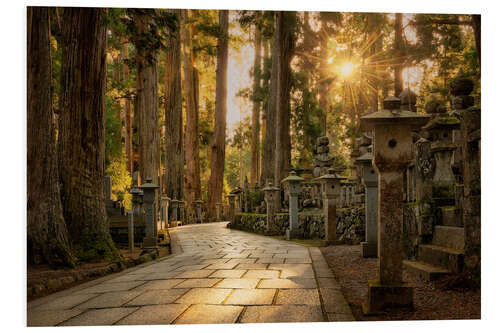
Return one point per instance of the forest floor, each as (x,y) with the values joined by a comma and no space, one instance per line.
(41,274)
(432,301)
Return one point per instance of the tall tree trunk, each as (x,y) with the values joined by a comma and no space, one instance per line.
(46,229)
(254,168)
(128,118)
(174,152)
(81,141)
(263,127)
(323,73)
(218,154)
(192,185)
(285,22)
(146,106)
(476,26)
(269,148)
(398,54)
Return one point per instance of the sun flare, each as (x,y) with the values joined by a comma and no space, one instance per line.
(347,69)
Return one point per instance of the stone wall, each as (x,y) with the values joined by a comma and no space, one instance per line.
(350,224)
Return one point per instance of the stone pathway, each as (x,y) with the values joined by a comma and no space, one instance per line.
(216,275)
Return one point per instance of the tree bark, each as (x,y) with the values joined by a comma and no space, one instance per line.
(269,148)
(146,106)
(285,24)
(217,158)
(476,26)
(398,54)
(323,73)
(174,152)
(254,168)
(192,184)
(128,117)
(46,228)
(81,142)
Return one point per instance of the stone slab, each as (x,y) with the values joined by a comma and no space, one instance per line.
(282,314)
(99,317)
(154,297)
(112,299)
(238,283)
(204,296)
(50,317)
(159,284)
(154,315)
(198,283)
(251,297)
(298,283)
(195,274)
(65,302)
(261,274)
(226,273)
(298,296)
(210,314)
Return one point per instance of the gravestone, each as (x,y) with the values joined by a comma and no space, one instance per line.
(293,181)
(182,211)
(322,160)
(270,194)
(149,189)
(330,187)
(392,151)
(198,204)
(370,182)
(175,213)
(137,195)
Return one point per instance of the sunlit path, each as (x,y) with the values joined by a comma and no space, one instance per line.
(221,276)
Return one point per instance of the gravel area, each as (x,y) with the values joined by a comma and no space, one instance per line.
(431,302)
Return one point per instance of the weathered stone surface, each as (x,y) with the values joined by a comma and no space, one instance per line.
(50,317)
(298,296)
(204,296)
(154,315)
(282,314)
(210,314)
(251,297)
(99,317)
(154,297)
(109,300)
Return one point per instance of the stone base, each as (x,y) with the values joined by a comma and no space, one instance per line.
(331,242)
(369,250)
(293,234)
(381,297)
(149,243)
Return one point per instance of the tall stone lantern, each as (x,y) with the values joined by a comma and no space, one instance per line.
(149,189)
(330,188)
(370,182)
(270,194)
(231,198)
(293,181)
(175,212)
(198,203)
(392,153)
(137,195)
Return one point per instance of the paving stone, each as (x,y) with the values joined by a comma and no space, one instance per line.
(236,255)
(210,314)
(154,315)
(198,283)
(261,274)
(99,317)
(185,268)
(335,302)
(154,297)
(324,273)
(204,296)
(243,261)
(251,266)
(288,283)
(215,261)
(298,296)
(195,274)
(340,317)
(270,260)
(50,317)
(227,265)
(251,297)
(298,260)
(238,283)
(109,300)
(293,270)
(65,302)
(107,287)
(129,277)
(162,275)
(159,284)
(282,314)
(226,273)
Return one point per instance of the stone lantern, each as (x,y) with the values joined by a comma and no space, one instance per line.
(175,212)
(164,210)
(218,211)
(392,153)
(198,203)
(149,189)
(231,198)
(182,210)
(440,130)
(330,187)
(137,195)
(370,182)
(270,194)
(293,181)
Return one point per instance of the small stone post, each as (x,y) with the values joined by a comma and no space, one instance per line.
(149,190)
(231,198)
(182,211)
(293,182)
(165,201)
(198,204)
(392,153)
(136,201)
(370,182)
(330,187)
(175,213)
(218,211)
(270,194)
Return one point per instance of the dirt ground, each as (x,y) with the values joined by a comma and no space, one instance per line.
(431,301)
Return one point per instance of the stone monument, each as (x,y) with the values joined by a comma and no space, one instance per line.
(330,187)
(149,189)
(293,181)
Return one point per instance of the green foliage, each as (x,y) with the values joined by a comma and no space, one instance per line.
(113,131)
(121,180)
